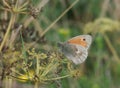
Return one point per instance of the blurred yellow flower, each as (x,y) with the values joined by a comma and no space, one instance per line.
(64,31)
(27,76)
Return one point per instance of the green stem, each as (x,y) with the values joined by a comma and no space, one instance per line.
(37,72)
(36,85)
(57,78)
(112,48)
(49,27)
(8,30)
(37,66)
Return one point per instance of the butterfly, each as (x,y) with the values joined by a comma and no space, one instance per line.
(76,48)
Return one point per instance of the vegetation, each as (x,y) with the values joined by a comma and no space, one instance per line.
(31,29)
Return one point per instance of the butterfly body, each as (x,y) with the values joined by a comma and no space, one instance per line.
(76,49)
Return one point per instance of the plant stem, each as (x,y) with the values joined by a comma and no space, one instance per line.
(37,66)
(36,85)
(48,28)
(8,30)
(112,48)
(57,78)
(37,72)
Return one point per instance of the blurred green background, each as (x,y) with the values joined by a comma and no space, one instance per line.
(101,19)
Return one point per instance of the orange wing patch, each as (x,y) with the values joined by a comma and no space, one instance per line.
(79,41)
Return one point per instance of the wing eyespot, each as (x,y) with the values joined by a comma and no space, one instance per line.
(84,39)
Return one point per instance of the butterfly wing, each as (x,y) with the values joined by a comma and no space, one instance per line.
(82,40)
(66,48)
(81,55)
(76,53)
(76,49)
